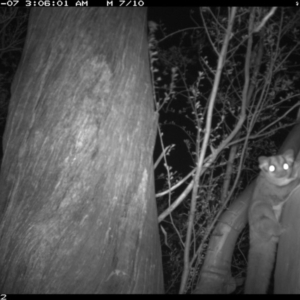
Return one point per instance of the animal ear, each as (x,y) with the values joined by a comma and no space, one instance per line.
(289,154)
(263,161)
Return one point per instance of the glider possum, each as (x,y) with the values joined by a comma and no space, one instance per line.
(276,181)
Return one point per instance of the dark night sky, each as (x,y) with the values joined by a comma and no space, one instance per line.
(174,18)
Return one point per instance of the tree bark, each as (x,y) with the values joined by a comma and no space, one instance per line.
(287,270)
(77,206)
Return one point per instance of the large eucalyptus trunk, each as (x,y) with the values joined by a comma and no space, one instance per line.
(77,207)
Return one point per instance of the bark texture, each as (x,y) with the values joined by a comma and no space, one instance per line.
(77,208)
(287,270)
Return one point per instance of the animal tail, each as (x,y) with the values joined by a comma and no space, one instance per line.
(261,260)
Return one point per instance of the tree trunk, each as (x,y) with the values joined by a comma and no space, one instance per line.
(287,270)
(77,206)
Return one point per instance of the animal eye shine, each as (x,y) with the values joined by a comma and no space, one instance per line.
(272,168)
(285,166)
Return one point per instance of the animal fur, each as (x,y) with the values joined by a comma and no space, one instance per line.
(277,179)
